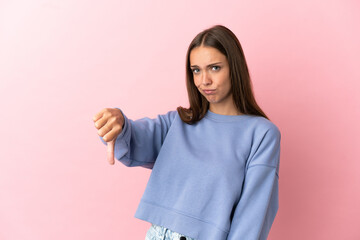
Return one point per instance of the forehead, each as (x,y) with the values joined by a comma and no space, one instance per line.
(204,55)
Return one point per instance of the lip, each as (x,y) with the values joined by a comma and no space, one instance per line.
(208,91)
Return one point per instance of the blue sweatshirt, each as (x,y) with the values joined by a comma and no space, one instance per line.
(213,180)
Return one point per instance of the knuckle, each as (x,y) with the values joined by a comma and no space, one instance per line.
(112,120)
(101,133)
(117,128)
(107,138)
(109,114)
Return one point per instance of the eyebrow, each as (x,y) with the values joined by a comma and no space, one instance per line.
(212,64)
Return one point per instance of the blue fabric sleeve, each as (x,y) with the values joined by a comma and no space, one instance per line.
(259,202)
(140,141)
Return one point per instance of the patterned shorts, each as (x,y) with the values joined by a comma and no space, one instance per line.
(156,232)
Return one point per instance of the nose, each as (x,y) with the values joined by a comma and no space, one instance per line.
(205,79)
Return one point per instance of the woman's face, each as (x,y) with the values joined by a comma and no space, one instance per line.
(212,76)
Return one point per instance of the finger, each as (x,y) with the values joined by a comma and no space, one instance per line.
(100,122)
(109,134)
(98,115)
(110,152)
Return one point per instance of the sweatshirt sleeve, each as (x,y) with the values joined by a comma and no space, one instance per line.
(259,200)
(140,141)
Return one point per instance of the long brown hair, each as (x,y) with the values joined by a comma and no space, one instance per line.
(224,40)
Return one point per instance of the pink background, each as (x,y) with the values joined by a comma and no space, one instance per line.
(63,61)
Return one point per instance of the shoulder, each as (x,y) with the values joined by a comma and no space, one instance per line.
(171,114)
(265,146)
(168,117)
(263,126)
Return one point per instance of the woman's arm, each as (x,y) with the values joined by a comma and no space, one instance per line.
(140,141)
(259,201)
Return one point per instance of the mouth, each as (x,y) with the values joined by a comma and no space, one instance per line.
(209,91)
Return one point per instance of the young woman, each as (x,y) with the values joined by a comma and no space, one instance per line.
(215,165)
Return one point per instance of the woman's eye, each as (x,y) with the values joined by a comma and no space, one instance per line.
(215,68)
(195,70)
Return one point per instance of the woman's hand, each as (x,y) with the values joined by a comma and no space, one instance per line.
(109,123)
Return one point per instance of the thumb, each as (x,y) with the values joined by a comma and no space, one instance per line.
(110,151)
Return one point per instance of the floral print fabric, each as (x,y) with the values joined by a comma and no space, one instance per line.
(156,232)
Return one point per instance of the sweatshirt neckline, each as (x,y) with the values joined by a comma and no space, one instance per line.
(224,118)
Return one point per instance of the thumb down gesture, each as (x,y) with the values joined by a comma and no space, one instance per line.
(109,123)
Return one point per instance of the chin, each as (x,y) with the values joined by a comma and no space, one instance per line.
(211,100)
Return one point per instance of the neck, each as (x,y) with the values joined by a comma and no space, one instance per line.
(224,110)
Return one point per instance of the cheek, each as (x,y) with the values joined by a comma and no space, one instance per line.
(196,81)
(226,80)
(226,85)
